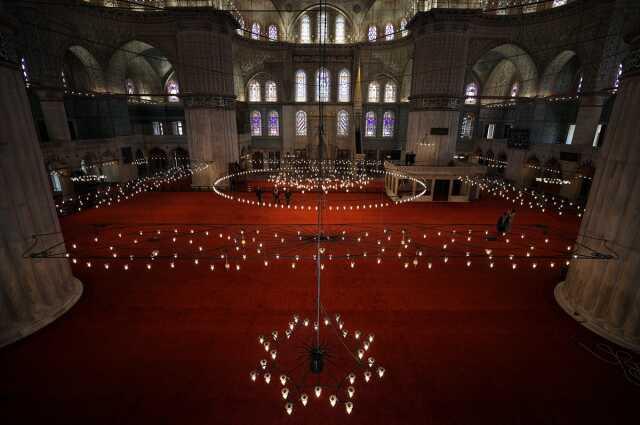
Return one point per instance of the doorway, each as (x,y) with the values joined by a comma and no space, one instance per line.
(441,191)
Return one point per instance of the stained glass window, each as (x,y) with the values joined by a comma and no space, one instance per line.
(340,29)
(344,86)
(301,123)
(373,95)
(388,32)
(129,87)
(372,34)
(370,124)
(255,31)
(466,129)
(403,27)
(515,89)
(388,121)
(254,91)
(270,92)
(305,29)
(25,72)
(322,85)
(173,90)
(343,123)
(322,27)
(390,92)
(256,123)
(471,92)
(274,123)
(301,86)
(273,33)
(616,83)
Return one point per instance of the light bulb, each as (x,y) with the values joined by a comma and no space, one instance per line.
(348,407)
(381,371)
(267,377)
(333,400)
(253,375)
(351,391)
(352,378)
(289,408)
(285,393)
(263,364)
(318,391)
(371,361)
(274,354)
(367,376)
(304,399)
(360,353)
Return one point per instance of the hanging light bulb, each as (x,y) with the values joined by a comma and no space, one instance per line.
(367,375)
(267,377)
(289,408)
(348,407)
(381,371)
(304,399)
(285,393)
(333,400)
(360,353)
(351,391)
(352,378)
(318,391)
(253,375)
(283,379)
(263,364)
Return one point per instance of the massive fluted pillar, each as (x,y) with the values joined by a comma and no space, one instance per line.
(206,81)
(437,85)
(604,295)
(33,292)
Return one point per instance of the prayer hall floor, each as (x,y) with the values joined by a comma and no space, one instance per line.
(461,345)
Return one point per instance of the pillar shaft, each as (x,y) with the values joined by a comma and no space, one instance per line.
(604,295)
(437,85)
(206,80)
(33,292)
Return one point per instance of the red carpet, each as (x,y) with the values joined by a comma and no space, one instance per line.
(460,345)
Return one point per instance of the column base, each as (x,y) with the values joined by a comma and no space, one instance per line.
(598,326)
(17,331)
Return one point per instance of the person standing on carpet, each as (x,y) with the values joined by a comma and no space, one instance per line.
(509,220)
(276,196)
(287,196)
(259,194)
(502,221)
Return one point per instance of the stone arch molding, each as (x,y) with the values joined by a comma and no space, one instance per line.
(499,67)
(140,61)
(549,82)
(91,65)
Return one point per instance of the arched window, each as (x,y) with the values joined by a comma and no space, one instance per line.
(129,87)
(273,33)
(403,27)
(515,89)
(305,29)
(256,123)
(340,30)
(388,32)
(173,90)
(579,88)
(370,124)
(301,86)
(254,91)
(56,182)
(390,92)
(471,93)
(25,72)
(274,123)
(255,31)
(616,83)
(343,123)
(270,92)
(322,85)
(322,27)
(373,94)
(344,86)
(557,3)
(301,123)
(372,33)
(240,30)
(388,123)
(466,129)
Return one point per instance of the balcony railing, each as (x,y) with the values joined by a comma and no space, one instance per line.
(493,7)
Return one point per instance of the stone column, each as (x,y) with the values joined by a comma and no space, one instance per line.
(54,114)
(588,118)
(437,85)
(205,70)
(33,291)
(604,295)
